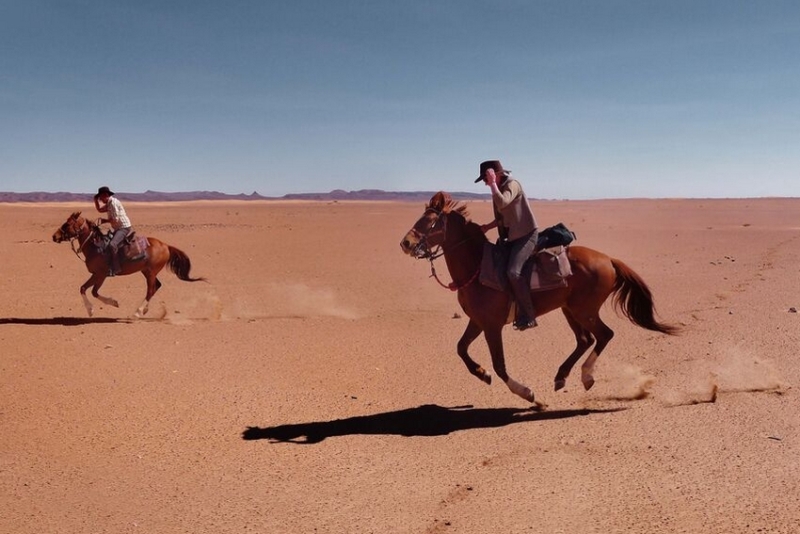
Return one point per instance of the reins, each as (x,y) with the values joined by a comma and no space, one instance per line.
(79,250)
(452,286)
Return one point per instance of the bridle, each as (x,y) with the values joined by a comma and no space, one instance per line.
(75,237)
(424,251)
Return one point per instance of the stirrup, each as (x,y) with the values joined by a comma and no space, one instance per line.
(525,324)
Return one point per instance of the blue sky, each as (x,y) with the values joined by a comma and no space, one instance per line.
(581,99)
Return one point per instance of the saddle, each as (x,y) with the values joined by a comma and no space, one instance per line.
(132,248)
(547,268)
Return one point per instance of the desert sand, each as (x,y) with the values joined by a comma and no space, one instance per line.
(312,384)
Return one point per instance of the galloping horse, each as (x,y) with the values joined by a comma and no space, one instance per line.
(595,277)
(157,255)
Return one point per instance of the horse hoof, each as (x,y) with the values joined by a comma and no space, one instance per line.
(560,384)
(588,382)
(486,379)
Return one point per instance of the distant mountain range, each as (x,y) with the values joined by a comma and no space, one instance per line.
(158,196)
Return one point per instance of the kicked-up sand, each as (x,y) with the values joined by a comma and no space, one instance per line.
(312,384)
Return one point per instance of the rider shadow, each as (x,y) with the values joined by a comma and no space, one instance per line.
(425,420)
(61,321)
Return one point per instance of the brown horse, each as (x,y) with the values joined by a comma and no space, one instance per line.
(157,255)
(595,277)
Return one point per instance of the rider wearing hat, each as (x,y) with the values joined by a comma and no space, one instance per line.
(517,226)
(106,202)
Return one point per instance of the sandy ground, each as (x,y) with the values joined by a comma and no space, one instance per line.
(312,385)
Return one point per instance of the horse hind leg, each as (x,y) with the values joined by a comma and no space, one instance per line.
(583,339)
(603,334)
(469,335)
(153,285)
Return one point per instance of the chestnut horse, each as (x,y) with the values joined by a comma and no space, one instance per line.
(595,277)
(157,255)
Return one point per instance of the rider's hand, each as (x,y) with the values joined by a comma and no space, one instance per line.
(491,177)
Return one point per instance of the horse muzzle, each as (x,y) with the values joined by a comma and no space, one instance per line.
(413,246)
(418,251)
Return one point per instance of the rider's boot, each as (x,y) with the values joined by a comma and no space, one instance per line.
(526,315)
(114,267)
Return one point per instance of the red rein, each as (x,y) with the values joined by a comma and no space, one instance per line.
(452,286)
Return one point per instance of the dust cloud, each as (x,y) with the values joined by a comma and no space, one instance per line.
(274,300)
(736,371)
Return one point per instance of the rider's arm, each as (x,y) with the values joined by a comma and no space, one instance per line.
(101,209)
(504,198)
(501,198)
(488,226)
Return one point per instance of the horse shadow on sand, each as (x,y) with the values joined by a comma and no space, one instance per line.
(61,321)
(426,420)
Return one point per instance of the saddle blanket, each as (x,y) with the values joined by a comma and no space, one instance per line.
(136,248)
(133,248)
(546,269)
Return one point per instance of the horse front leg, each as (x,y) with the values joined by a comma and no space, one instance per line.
(86,302)
(96,292)
(494,338)
(95,281)
(469,335)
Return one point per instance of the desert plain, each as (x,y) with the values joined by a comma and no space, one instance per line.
(312,384)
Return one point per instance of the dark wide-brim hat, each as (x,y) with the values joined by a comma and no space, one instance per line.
(104,190)
(492,164)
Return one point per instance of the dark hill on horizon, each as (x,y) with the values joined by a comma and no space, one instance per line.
(159,196)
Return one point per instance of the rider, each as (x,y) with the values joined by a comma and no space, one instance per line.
(516,225)
(119,222)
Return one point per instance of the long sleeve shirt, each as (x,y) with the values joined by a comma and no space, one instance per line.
(513,211)
(116,214)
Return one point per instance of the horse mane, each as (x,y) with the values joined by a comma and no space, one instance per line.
(93,227)
(443,202)
(446,204)
(453,206)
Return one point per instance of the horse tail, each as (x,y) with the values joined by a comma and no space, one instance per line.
(634,300)
(180,264)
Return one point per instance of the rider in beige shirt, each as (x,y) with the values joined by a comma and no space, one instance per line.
(516,224)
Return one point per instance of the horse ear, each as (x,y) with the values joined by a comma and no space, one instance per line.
(75,215)
(439,201)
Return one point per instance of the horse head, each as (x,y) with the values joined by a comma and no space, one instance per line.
(430,230)
(70,229)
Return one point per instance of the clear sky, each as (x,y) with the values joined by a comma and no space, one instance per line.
(581,99)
